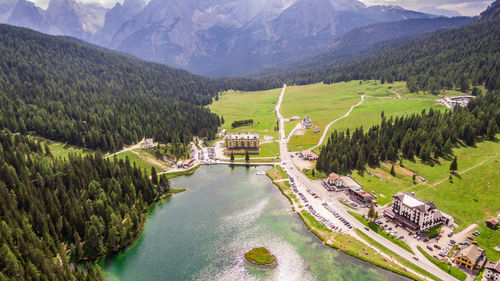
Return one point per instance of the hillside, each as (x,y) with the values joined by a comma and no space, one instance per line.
(448,59)
(73,92)
(363,41)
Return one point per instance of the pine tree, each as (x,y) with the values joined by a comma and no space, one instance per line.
(232,157)
(393,172)
(491,130)
(454,165)
(154,176)
(247,157)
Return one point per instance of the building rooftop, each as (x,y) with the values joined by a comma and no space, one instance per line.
(350,182)
(413,202)
(243,136)
(494,266)
(333,176)
(471,252)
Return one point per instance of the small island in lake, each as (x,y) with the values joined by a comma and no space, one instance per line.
(260,256)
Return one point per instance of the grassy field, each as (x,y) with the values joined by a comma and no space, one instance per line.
(453,271)
(325,103)
(139,162)
(488,240)
(61,150)
(258,106)
(395,256)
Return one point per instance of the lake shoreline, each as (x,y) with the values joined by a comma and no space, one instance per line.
(312,229)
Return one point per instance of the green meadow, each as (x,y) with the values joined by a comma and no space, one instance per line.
(144,165)
(259,106)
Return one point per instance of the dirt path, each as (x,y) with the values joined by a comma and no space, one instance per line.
(137,145)
(468,169)
(340,118)
(396,93)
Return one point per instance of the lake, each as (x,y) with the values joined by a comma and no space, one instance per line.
(203,233)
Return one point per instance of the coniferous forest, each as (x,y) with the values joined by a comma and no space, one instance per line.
(453,58)
(428,135)
(70,91)
(55,211)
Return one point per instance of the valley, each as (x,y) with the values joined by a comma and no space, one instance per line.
(359,143)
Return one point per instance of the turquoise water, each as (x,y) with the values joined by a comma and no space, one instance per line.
(203,233)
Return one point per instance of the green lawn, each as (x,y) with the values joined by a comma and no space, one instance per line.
(258,106)
(376,228)
(453,271)
(488,240)
(139,162)
(63,150)
(325,103)
(394,255)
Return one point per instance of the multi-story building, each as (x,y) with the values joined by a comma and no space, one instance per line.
(415,214)
(492,271)
(242,143)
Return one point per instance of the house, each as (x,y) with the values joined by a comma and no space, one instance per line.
(308,155)
(335,180)
(242,143)
(188,163)
(316,129)
(360,195)
(470,257)
(306,122)
(180,164)
(492,271)
(415,214)
(492,223)
(221,133)
(148,143)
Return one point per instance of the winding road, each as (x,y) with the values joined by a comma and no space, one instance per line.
(325,131)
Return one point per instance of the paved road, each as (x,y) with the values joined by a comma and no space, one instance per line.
(301,179)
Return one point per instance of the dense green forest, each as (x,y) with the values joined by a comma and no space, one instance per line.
(454,58)
(428,135)
(55,211)
(88,96)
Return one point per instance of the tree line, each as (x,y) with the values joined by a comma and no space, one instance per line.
(454,58)
(55,211)
(428,135)
(87,96)
(241,123)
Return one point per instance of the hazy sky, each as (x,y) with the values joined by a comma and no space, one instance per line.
(444,7)
(465,8)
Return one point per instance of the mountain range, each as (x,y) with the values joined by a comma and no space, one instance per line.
(213,37)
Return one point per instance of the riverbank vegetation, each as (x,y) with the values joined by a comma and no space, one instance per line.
(395,256)
(260,256)
(55,210)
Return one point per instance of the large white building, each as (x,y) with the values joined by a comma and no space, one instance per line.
(415,214)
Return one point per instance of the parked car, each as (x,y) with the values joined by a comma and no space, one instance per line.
(474,242)
(367,229)
(437,246)
(429,247)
